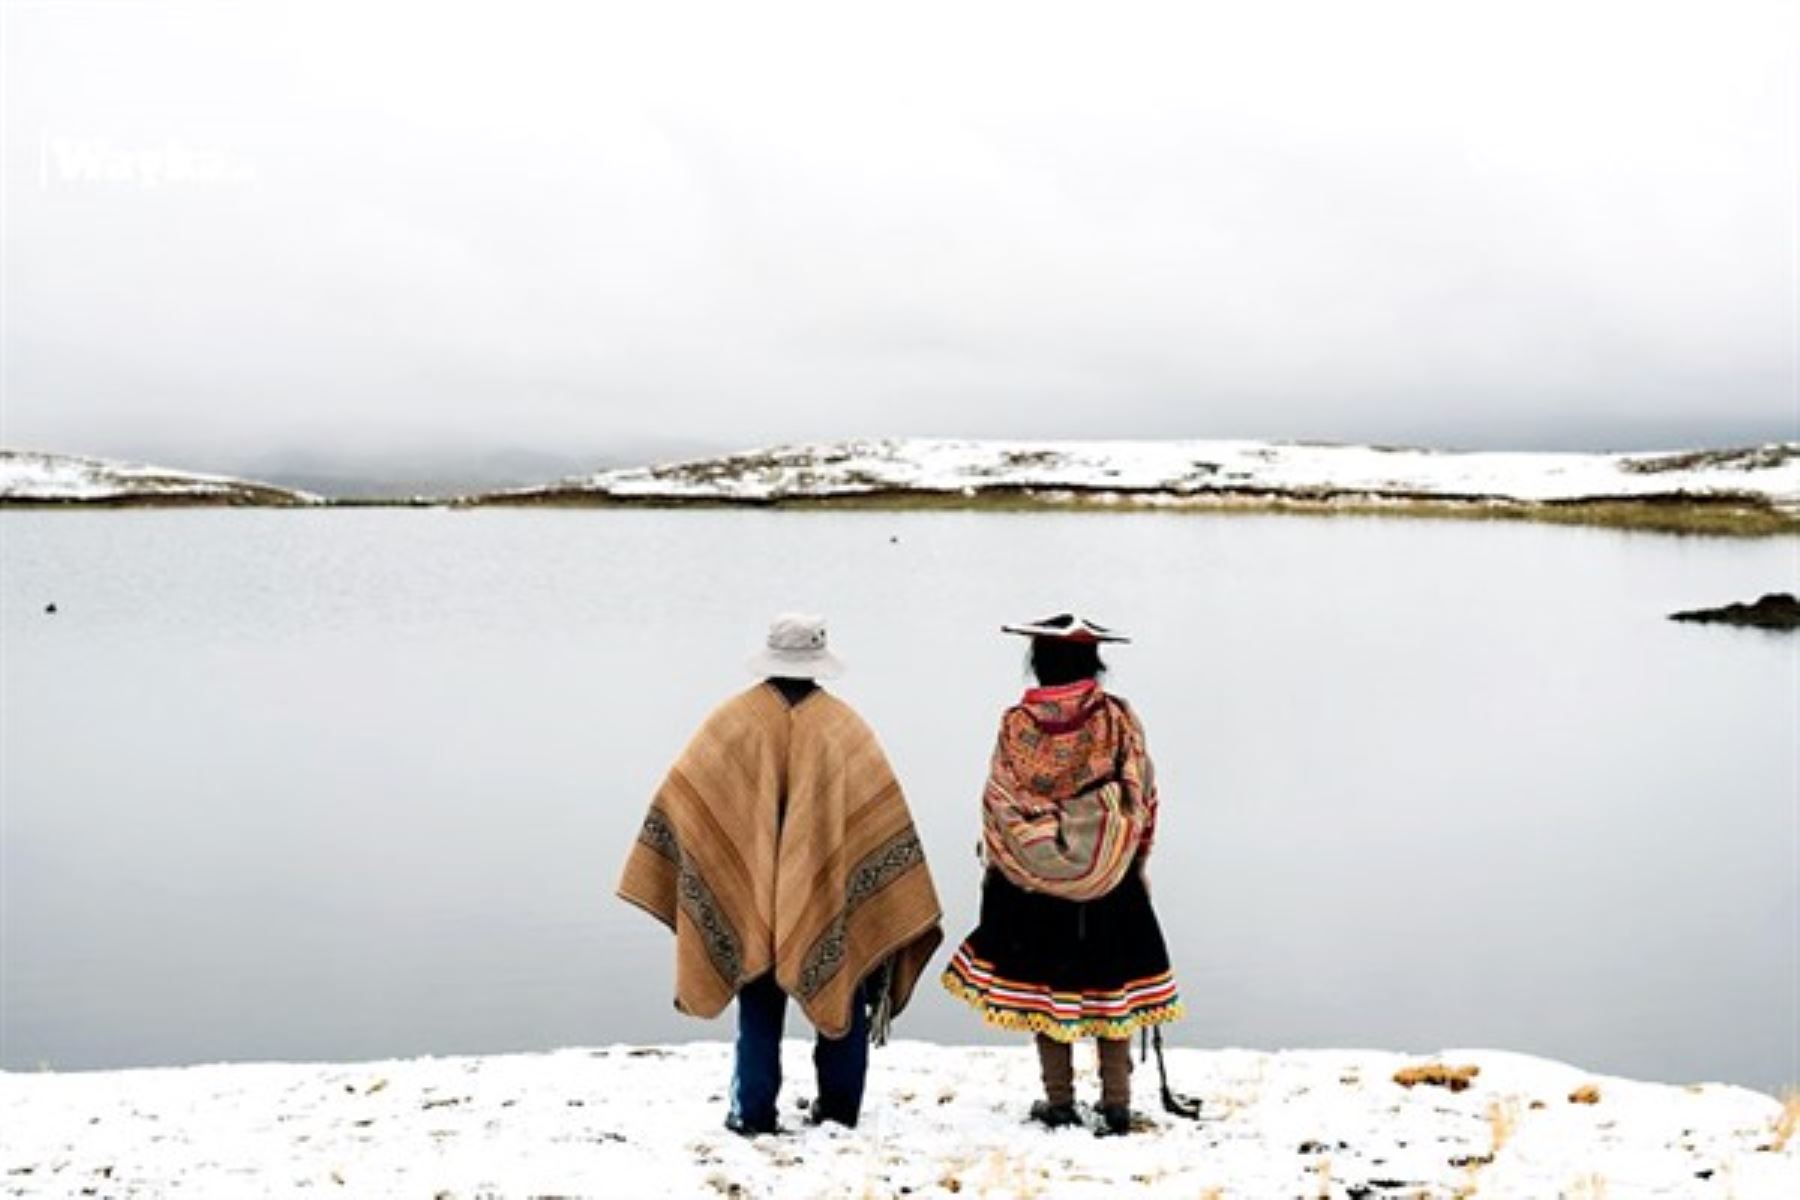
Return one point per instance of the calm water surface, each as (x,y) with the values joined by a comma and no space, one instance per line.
(358,783)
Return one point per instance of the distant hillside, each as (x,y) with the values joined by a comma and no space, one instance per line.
(31,477)
(1195,474)
(1751,490)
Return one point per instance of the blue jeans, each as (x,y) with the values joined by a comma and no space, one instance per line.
(842,1063)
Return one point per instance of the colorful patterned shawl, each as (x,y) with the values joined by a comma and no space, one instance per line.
(1071,797)
(781,840)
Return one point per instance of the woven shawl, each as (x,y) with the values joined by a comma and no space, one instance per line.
(1070,796)
(780,840)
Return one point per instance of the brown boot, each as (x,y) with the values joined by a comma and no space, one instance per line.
(1056,1061)
(1115,1084)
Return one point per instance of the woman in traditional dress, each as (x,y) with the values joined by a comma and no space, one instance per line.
(1068,946)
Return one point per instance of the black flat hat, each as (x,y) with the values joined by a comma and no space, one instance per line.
(1067,627)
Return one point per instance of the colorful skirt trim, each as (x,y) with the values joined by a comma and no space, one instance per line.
(1063,1016)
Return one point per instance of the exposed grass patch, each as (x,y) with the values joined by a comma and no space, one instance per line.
(1443,1075)
(1714,518)
(1724,517)
(1717,519)
(1753,458)
(1587,1093)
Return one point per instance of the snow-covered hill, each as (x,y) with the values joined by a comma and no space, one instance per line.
(938,1121)
(1178,472)
(32,477)
(1761,483)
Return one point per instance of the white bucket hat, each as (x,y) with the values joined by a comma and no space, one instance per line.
(796,649)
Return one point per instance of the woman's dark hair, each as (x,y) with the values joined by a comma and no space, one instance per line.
(1056,661)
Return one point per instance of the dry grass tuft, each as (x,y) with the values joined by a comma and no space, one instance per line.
(1587,1093)
(1503,1119)
(951,1178)
(1322,1169)
(1003,1175)
(1471,1182)
(1438,1075)
(1787,1121)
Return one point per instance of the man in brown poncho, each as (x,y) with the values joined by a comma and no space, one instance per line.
(780,851)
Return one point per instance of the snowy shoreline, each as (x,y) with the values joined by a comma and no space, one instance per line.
(938,1121)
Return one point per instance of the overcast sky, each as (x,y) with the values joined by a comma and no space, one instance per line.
(234,229)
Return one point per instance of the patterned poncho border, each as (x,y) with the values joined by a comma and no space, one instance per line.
(781,842)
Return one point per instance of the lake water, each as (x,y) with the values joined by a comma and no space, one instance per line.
(347,784)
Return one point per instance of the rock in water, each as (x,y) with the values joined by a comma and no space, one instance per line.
(1777,610)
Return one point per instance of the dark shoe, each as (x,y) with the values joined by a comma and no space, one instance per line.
(1115,1120)
(1054,1116)
(818,1114)
(745,1128)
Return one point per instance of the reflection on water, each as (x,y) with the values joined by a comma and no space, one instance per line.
(357,784)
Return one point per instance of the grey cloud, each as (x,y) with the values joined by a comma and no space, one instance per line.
(578,231)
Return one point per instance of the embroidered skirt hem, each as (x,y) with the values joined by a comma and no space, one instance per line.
(1066,1017)
(1065,968)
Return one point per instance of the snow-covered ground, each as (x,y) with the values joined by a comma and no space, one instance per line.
(31,477)
(1179,470)
(938,1121)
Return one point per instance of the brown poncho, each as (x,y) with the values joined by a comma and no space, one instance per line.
(781,840)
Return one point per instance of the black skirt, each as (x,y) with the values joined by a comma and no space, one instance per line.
(1066,968)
